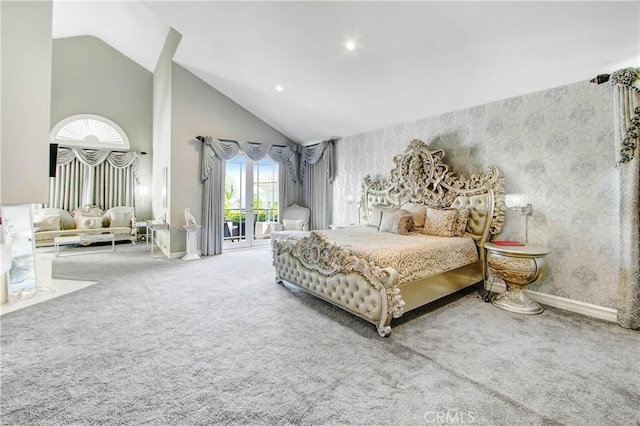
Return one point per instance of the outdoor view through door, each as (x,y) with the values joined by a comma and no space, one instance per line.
(249,210)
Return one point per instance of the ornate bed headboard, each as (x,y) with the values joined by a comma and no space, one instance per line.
(420,176)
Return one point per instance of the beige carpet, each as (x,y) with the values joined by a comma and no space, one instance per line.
(217,341)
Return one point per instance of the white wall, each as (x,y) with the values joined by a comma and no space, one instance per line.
(199,109)
(26,101)
(162,99)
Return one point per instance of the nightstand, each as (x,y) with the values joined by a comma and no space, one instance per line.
(517,266)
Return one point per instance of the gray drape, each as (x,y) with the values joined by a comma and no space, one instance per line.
(90,176)
(212,176)
(214,154)
(626,107)
(289,188)
(317,173)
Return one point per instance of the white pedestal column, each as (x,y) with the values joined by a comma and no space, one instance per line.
(192,242)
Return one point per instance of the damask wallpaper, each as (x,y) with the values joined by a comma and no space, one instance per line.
(555,146)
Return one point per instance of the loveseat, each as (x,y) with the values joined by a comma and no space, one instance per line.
(50,223)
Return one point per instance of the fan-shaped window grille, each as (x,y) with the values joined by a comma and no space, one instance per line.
(89,131)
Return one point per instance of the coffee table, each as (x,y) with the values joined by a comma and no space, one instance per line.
(83,240)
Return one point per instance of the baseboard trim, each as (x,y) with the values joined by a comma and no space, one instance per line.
(179,254)
(583,308)
(588,309)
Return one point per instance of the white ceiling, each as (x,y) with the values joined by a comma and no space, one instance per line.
(413,59)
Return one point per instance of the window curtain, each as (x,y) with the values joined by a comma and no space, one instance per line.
(627,128)
(213,156)
(212,176)
(317,173)
(97,177)
(290,191)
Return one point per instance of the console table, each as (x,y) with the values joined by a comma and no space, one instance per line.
(152,227)
(517,266)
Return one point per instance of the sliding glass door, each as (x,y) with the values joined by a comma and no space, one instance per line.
(250,210)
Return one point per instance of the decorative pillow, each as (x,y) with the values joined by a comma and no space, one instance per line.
(88,222)
(460,227)
(376,214)
(440,223)
(397,221)
(122,218)
(46,223)
(292,224)
(418,213)
(87,210)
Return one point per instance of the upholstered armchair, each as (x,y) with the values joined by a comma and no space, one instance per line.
(293,218)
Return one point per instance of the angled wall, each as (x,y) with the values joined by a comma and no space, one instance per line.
(91,77)
(199,109)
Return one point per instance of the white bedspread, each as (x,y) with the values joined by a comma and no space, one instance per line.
(413,256)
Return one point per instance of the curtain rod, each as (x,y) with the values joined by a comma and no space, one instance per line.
(202,138)
(600,78)
(98,149)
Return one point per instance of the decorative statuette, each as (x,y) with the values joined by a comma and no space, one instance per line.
(189,220)
(192,232)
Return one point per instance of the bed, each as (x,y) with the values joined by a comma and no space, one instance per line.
(380,275)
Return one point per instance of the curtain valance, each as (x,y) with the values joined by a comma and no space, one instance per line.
(226,150)
(95,157)
(314,153)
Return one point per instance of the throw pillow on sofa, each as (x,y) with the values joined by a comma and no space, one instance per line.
(120,218)
(88,222)
(46,223)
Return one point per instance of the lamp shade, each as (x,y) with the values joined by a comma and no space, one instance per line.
(515,201)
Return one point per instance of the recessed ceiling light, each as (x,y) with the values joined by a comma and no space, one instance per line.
(279,88)
(350,45)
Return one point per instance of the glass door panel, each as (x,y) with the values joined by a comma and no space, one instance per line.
(250,211)
(235,203)
(265,199)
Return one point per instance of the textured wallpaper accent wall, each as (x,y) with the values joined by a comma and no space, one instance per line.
(556,146)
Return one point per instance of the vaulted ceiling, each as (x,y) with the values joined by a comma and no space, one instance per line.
(411,59)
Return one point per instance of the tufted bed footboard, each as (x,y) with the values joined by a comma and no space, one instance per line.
(338,276)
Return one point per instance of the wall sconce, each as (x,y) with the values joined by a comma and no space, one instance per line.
(518,202)
(142,191)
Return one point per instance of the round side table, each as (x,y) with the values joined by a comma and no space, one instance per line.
(517,266)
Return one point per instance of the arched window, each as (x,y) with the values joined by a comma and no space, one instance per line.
(94,165)
(90,131)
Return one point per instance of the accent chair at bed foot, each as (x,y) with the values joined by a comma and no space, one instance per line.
(293,220)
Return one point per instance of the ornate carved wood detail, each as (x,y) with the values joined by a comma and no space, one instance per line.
(318,253)
(420,175)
